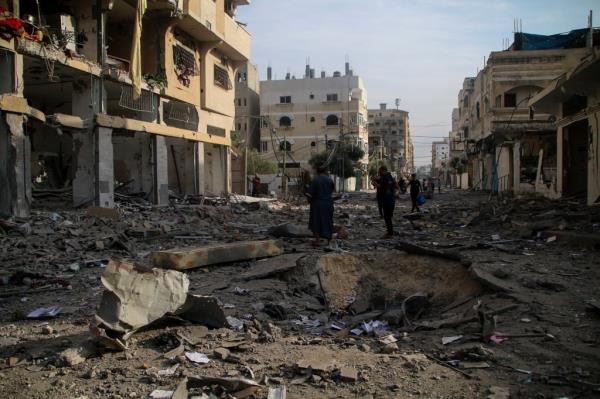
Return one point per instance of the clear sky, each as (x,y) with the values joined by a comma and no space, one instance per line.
(417,50)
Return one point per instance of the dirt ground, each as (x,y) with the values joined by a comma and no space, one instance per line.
(524,270)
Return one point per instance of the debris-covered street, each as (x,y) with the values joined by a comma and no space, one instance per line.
(476,297)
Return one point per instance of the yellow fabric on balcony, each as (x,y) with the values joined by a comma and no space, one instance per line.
(135,69)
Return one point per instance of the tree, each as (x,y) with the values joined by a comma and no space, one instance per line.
(344,162)
(257,164)
(375,164)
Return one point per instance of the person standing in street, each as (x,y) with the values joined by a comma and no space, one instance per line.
(319,196)
(415,188)
(255,186)
(388,199)
(376,181)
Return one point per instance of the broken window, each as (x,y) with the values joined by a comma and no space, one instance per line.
(147,102)
(215,131)
(332,120)
(184,62)
(180,114)
(285,146)
(510,100)
(285,121)
(285,99)
(222,78)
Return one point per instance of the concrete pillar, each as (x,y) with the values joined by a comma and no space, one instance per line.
(194,167)
(160,172)
(560,151)
(200,178)
(15,167)
(227,168)
(516,168)
(93,183)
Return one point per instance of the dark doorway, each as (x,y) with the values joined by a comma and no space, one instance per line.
(575,158)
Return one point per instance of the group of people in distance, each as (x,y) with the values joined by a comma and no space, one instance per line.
(320,194)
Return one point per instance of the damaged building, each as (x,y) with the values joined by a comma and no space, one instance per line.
(509,146)
(102,98)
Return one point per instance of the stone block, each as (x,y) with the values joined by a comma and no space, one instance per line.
(189,258)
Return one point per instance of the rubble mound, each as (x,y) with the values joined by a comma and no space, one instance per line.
(377,281)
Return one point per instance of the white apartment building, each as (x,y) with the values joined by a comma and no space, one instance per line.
(306,116)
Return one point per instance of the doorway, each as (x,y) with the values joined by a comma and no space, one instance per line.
(575,158)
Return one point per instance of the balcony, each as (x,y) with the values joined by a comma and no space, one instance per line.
(200,20)
(237,40)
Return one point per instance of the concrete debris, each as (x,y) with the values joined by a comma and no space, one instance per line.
(135,297)
(183,259)
(272,267)
(99,212)
(289,231)
(277,393)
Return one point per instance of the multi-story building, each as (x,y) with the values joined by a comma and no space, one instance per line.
(246,126)
(459,178)
(389,138)
(96,94)
(440,156)
(574,99)
(307,116)
(247,105)
(506,141)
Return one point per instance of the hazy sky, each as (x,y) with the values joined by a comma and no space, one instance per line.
(418,50)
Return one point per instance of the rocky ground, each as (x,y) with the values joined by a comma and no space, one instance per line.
(511,308)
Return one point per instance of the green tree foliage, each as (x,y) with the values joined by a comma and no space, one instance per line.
(257,164)
(344,162)
(375,164)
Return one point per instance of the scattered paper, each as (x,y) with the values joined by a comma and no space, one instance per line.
(39,313)
(197,357)
(161,394)
(449,340)
(168,372)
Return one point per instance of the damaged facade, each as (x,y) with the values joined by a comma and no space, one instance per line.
(389,138)
(303,117)
(508,146)
(116,97)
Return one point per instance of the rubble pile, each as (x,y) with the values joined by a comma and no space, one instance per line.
(230,300)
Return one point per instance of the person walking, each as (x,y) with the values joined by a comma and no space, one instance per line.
(415,188)
(388,198)
(319,196)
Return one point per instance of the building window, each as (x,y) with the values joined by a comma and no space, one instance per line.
(264,146)
(222,78)
(245,103)
(285,100)
(498,102)
(393,132)
(245,126)
(332,120)
(332,97)
(510,100)
(376,123)
(285,146)
(312,118)
(466,102)
(477,112)
(313,144)
(239,127)
(311,96)
(239,101)
(285,121)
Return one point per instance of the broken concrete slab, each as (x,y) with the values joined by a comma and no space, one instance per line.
(189,258)
(135,297)
(289,230)
(270,267)
(348,374)
(491,281)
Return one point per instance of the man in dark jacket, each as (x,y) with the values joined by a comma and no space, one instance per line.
(415,189)
(388,198)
